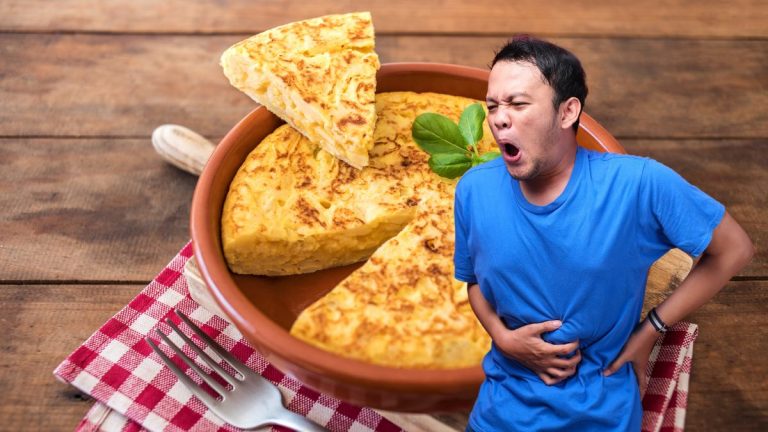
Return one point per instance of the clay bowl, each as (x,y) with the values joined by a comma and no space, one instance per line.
(263,308)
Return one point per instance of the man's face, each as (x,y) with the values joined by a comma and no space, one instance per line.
(522,118)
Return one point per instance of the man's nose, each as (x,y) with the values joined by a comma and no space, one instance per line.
(501,119)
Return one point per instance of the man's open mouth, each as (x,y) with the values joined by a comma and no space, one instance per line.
(511,150)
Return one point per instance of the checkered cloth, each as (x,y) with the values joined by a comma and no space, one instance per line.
(136,392)
(119,369)
(669,370)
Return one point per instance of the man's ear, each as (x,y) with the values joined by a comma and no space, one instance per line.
(569,112)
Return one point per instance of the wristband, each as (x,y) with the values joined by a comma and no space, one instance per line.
(656,322)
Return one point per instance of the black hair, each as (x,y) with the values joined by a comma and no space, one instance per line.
(560,68)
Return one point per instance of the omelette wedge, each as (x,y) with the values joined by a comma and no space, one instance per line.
(319,75)
(402,308)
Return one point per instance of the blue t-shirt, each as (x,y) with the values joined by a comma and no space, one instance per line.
(582,259)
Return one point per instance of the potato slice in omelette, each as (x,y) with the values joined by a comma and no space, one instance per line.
(319,75)
(293,208)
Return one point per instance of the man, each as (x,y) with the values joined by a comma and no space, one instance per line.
(555,243)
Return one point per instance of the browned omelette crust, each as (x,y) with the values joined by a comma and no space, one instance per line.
(319,75)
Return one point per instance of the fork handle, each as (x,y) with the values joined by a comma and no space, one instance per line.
(297,422)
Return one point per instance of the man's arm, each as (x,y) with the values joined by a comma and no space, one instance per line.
(525,343)
(729,250)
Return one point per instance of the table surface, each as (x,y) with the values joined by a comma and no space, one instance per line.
(89,213)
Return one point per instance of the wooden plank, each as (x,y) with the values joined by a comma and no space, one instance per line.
(42,324)
(707,18)
(729,380)
(115,85)
(111,85)
(735,172)
(89,210)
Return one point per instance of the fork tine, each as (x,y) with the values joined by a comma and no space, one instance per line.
(191,385)
(207,378)
(205,357)
(215,347)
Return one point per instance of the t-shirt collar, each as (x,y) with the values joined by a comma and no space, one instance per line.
(576,174)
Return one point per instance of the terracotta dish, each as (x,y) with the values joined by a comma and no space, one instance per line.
(263,308)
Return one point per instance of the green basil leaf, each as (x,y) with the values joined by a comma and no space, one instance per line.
(436,133)
(487,157)
(471,123)
(449,165)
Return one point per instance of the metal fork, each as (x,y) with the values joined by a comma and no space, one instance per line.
(253,400)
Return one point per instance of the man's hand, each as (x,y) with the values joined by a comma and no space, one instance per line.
(638,351)
(526,346)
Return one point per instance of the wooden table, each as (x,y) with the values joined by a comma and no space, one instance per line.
(89,213)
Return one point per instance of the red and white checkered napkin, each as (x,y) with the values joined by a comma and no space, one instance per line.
(120,370)
(669,372)
(136,392)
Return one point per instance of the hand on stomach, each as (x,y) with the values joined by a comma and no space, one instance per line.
(526,346)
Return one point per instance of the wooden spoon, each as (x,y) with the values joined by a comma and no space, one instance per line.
(182,147)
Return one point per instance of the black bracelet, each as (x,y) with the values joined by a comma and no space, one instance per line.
(656,322)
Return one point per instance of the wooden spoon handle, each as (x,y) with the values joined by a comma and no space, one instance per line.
(182,147)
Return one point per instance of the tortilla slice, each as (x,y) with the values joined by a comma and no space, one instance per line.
(319,75)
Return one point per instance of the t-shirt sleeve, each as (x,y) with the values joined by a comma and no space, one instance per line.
(681,214)
(462,258)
